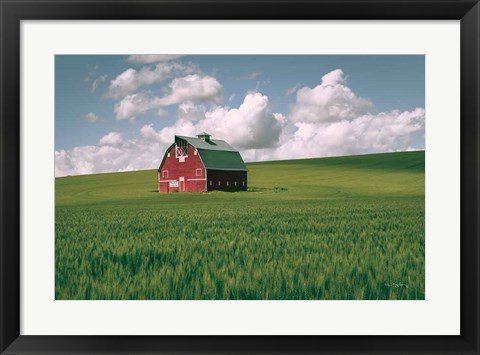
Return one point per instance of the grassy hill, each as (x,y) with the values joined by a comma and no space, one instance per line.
(330,228)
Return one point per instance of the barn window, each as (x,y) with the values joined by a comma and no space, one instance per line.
(195,153)
(219,182)
(228,183)
(243,183)
(210,182)
(181,150)
(235,183)
(165,173)
(198,172)
(168,155)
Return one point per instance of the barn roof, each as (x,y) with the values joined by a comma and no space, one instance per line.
(211,144)
(215,154)
(222,160)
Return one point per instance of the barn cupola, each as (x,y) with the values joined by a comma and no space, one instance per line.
(204,137)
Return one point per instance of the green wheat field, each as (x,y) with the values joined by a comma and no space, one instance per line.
(348,228)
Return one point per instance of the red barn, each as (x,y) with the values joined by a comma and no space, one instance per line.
(201,164)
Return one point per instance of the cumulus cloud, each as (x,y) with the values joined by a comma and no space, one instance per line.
(189,88)
(131,79)
(98,159)
(91,117)
(327,120)
(113,154)
(192,88)
(383,132)
(113,139)
(132,106)
(152,58)
(250,126)
(330,101)
(190,111)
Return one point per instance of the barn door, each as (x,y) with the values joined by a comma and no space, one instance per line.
(182,184)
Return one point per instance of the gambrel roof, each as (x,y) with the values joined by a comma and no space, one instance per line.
(215,154)
(211,144)
(222,160)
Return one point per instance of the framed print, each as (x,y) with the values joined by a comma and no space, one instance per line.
(238,177)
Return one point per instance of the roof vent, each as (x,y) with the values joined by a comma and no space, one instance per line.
(204,136)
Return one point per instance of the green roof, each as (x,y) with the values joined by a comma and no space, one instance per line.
(222,160)
(212,144)
(216,154)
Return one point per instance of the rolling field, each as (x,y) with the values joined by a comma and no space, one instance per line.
(331,228)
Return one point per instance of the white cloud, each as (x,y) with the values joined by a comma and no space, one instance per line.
(87,160)
(327,120)
(384,132)
(188,88)
(182,127)
(124,83)
(188,110)
(64,164)
(192,88)
(251,126)
(113,154)
(152,58)
(91,117)
(143,152)
(134,105)
(149,133)
(131,79)
(113,139)
(97,82)
(330,101)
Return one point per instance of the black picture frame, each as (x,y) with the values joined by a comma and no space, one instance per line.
(13,11)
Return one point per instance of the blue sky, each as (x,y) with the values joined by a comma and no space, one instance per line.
(118,113)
